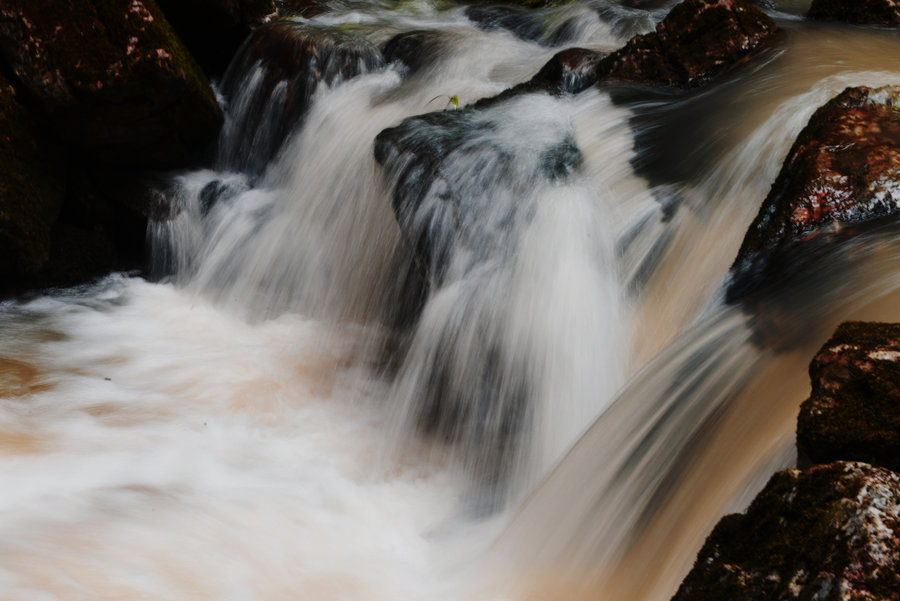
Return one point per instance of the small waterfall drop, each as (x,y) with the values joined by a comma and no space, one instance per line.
(400,350)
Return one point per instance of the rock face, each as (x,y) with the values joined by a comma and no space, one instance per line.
(32,185)
(842,172)
(213,30)
(861,12)
(112,77)
(853,412)
(696,41)
(830,533)
(290,60)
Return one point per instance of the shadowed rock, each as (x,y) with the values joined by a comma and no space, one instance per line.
(32,185)
(830,534)
(860,12)
(213,30)
(696,41)
(853,412)
(842,172)
(112,77)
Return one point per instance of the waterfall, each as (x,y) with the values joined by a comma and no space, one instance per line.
(396,346)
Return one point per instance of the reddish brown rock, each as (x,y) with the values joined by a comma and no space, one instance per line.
(696,41)
(853,412)
(842,172)
(860,12)
(112,77)
(32,185)
(831,533)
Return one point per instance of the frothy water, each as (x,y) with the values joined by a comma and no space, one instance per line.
(547,399)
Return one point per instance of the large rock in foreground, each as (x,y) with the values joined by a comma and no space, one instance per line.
(853,412)
(860,12)
(831,533)
(696,41)
(842,172)
(32,184)
(112,77)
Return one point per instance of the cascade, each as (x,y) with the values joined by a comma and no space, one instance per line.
(392,348)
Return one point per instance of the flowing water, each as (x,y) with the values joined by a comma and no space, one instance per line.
(562,406)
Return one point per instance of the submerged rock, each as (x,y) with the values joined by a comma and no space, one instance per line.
(273,81)
(112,77)
(860,12)
(414,49)
(696,41)
(430,159)
(32,185)
(831,533)
(519,21)
(842,172)
(853,412)
(213,30)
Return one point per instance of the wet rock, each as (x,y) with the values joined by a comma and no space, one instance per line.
(860,12)
(414,49)
(112,77)
(570,71)
(520,22)
(831,533)
(696,41)
(426,157)
(213,30)
(853,412)
(273,81)
(842,173)
(32,186)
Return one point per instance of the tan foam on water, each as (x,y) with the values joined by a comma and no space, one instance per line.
(20,379)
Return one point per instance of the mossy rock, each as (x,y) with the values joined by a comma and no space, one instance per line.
(696,41)
(831,533)
(860,12)
(841,174)
(853,412)
(32,185)
(112,77)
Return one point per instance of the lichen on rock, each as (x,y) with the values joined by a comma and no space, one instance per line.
(696,41)
(842,173)
(831,533)
(112,77)
(853,412)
